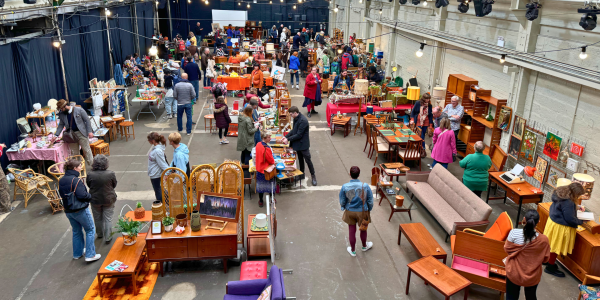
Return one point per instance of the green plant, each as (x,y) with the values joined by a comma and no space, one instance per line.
(128,226)
(168,221)
(138,205)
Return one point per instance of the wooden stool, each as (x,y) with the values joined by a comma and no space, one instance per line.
(118,121)
(94,145)
(103,149)
(125,130)
(210,119)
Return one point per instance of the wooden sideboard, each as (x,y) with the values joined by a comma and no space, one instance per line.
(585,258)
(193,245)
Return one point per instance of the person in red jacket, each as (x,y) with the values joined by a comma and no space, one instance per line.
(312,91)
(264,161)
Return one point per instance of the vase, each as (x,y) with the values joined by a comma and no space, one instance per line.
(157,211)
(181,220)
(195,221)
(129,240)
(168,228)
(139,213)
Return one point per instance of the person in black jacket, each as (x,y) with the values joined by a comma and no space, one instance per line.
(77,211)
(102,183)
(303,62)
(300,142)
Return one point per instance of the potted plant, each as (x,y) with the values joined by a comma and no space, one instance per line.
(139,211)
(168,223)
(129,229)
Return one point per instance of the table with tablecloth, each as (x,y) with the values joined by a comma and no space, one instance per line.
(240,83)
(58,153)
(353,108)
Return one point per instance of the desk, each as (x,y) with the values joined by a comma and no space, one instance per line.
(447,281)
(519,193)
(353,108)
(193,245)
(132,256)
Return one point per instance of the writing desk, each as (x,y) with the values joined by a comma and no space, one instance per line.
(519,192)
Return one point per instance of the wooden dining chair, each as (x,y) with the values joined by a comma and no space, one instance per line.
(411,152)
(369,141)
(380,145)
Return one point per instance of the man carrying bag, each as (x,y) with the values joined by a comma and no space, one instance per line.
(356,200)
(78,129)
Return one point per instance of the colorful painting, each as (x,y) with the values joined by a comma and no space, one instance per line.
(515,146)
(519,127)
(528,145)
(553,175)
(552,145)
(541,166)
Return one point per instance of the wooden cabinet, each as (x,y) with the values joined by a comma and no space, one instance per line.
(585,258)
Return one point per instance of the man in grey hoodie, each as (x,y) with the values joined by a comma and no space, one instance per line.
(184,92)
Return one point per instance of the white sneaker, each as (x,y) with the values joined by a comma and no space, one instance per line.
(220,142)
(369,246)
(82,255)
(429,165)
(95,258)
(350,251)
(225,141)
(297,87)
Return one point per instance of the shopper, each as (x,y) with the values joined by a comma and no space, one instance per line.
(257,79)
(527,250)
(198,31)
(421,115)
(264,161)
(444,150)
(246,130)
(255,117)
(346,60)
(561,226)
(312,91)
(283,37)
(222,119)
(455,113)
(258,55)
(5,200)
(303,61)
(273,34)
(294,66)
(361,73)
(170,102)
(373,77)
(194,76)
(324,64)
(204,63)
(76,200)
(476,167)
(344,77)
(299,140)
(102,183)
(157,161)
(210,70)
(297,41)
(181,156)
(356,200)
(184,94)
(437,116)
(253,94)
(192,38)
(76,120)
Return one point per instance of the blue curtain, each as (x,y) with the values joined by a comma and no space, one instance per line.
(115,40)
(149,23)
(139,9)
(125,32)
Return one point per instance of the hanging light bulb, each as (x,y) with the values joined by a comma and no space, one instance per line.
(56,44)
(248,6)
(294,6)
(206,2)
(424,3)
(336,9)
(281,1)
(156,3)
(153,51)
(359,1)
(502,58)
(420,51)
(380,11)
(299,1)
(107,11)
(239,3)
(270,2)
(583,55)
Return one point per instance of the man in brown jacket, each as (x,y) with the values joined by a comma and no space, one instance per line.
(204,64)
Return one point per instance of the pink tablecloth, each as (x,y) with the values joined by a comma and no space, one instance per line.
(58,153)
(353,108)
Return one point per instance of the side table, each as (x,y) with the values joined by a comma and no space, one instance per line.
(407,205)
(343,122)
(446,281)
(133,256)
(257,241)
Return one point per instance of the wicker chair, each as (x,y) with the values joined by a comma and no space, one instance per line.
(29,183)
(202,179)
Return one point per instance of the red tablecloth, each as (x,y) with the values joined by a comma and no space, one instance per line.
(353,108)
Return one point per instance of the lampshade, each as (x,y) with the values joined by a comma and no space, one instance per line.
(270,48)
(414,93)
(587,182)
(361,86)
(439,92)
(529,171)
(260,220)
(562,182)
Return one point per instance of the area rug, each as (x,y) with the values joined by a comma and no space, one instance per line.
(122,289)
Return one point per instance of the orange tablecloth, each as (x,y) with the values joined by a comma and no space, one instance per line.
(240,83)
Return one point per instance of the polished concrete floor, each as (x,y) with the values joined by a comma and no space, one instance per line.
(36,252)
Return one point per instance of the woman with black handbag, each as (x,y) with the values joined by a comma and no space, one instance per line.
(356,200)
(265,167)
(76,201)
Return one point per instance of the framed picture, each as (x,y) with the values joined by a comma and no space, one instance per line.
(156,227)
(219,206)
(552,145)
(519,127)
(541,166)
(528,145)
(553,175)
(515,147)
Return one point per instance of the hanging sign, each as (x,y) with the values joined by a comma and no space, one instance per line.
(577,149)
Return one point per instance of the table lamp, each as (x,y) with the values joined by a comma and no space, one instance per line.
(529,171)
(414,93)
(280,167)
(587,182)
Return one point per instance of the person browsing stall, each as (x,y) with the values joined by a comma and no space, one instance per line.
(356,197)
(312,91)
(444,149)
(294,66)
(373,76)
(194,75)
(476,167)
(345,76)
(222,119)
(455,113)
(257,78)
(421,115)
(157,162)
(102,183)
(184,94)
(264,160)
(181,155)
(76,119)
(246,131)
(299,140)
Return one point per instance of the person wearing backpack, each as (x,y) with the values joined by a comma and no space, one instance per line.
(180,48)
(76,201)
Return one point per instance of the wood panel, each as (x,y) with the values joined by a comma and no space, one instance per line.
(487,250)
(166,253)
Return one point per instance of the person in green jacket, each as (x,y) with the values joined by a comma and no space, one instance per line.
(246,130)
(476,167)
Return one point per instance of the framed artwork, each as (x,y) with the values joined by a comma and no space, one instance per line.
(552,145)
(519,127)
(553,175)
(94,83)
(515,147)
(528,145)
(504,118)
(219,206)
(541,166)
(577,149)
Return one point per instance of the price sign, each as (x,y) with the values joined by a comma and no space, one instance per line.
(577,149)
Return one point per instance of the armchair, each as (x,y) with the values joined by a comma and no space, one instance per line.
(251,289)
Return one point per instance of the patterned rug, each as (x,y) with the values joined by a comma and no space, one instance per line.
(121,288)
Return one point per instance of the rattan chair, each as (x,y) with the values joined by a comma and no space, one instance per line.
(29,183)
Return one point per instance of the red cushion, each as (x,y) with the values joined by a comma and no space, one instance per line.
(253,270)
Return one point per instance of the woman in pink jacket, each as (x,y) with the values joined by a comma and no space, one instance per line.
(445,144)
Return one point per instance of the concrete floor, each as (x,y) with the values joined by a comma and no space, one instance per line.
(36,252)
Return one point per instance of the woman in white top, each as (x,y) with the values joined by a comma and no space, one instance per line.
(210,67)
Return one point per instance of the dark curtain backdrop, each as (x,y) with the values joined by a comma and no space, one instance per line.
(148,23)
(126,35)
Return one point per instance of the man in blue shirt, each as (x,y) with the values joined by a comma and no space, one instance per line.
(351,202)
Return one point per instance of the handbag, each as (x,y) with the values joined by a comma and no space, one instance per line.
(364,224)
(73,202)
(68,136)
(270,171)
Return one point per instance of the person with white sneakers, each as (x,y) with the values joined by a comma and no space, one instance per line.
(294,66)
(221,114)
(356,200)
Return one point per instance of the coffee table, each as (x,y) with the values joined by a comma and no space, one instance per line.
(446,281)
(133,256)
(425,245)
(408,204)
